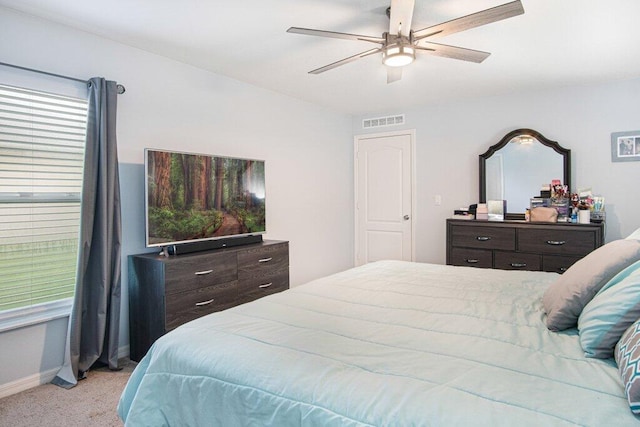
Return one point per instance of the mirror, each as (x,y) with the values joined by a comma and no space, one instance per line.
(515,169)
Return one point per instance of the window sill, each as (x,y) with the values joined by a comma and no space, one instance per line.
(23,317)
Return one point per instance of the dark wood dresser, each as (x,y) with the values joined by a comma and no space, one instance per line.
(520,245)
(165,292)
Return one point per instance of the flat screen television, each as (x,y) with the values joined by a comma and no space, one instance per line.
(198,197)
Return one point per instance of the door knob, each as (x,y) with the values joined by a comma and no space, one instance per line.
(406,217)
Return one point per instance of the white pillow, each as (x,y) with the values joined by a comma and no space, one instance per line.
(635,235)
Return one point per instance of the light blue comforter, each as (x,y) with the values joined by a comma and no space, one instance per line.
(386,344)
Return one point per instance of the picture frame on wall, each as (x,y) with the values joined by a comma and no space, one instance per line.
(625,146)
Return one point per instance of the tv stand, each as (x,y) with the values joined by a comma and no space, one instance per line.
(207,245)
(167,291)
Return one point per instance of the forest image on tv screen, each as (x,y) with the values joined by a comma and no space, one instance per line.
(195,197)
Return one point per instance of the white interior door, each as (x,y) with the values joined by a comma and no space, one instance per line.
(384,197)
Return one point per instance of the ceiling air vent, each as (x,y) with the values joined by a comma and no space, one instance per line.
(383,121)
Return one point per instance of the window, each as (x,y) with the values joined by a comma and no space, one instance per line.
(42,137)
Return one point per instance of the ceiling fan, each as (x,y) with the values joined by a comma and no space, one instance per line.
(399,45)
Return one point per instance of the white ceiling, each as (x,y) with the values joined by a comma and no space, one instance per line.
(555,43)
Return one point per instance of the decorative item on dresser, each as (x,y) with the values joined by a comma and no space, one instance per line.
(518,245)
(165,292)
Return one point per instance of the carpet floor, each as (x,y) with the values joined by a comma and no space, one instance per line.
(91,403)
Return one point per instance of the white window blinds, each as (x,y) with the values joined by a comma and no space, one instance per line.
(42,138)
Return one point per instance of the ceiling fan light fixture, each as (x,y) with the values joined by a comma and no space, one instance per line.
(398,45)
(398,55)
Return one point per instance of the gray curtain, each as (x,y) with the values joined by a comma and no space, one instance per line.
(95,318)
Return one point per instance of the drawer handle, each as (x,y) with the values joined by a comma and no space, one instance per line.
(518,264)
(200,304)
(202,273)
(266,285)
(472,261)
(483,238)
(556,242)
(563,269)
(265,259)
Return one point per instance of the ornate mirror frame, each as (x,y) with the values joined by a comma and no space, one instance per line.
(564,152)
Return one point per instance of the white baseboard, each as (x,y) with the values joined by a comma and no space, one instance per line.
(40,378)
(28,382)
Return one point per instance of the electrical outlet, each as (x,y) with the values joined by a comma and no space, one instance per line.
(437,200)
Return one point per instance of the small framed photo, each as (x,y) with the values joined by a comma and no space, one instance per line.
(625,146)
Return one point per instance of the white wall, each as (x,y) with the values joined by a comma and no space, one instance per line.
(450,137)
(308,153)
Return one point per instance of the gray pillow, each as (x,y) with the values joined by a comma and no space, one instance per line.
(564,300)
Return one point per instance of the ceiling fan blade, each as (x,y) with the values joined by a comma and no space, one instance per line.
(454,52)
(401,16)
(477,19)
(394,74)
(344,61)
(335,35)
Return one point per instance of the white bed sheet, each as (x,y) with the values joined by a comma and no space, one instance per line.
(388,344)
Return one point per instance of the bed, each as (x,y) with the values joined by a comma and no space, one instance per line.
(389,343)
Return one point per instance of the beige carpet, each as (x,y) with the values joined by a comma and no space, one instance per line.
(91,403)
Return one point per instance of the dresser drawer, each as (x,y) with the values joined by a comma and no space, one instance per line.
(198,271)
(558,263)
(258,261)
(483,237)
(471,257)
(257,287)
(517,261)
(167,291)
(516,244)
(185,306)
(560,242)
